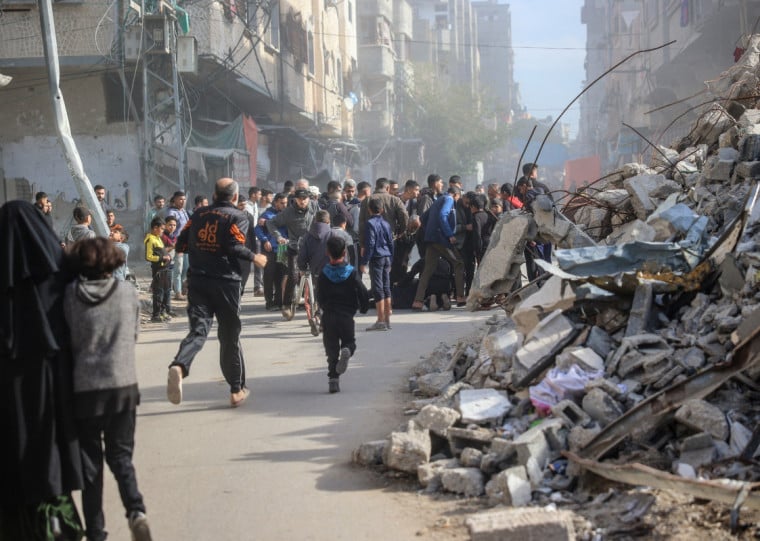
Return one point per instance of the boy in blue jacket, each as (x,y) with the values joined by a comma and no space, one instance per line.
(378,253)
(340,292)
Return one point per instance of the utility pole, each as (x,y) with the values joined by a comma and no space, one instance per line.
(61,117)
(162,103)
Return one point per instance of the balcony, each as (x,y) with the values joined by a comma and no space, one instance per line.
(383,8)
(376,62)
(373,124)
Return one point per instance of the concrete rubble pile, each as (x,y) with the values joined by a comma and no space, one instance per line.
(638,356)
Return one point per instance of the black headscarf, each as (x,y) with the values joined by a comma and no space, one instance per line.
(39,453)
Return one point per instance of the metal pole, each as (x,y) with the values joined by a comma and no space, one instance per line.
(148,177)
(61,119)
(177,110)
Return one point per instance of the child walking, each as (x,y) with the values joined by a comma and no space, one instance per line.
(378,252)
(340,292)
(155,253)
(103,315)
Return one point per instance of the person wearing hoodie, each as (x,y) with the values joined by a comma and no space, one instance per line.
(312,248)
(296,218)
(103,315)
(81,229)
(340,292)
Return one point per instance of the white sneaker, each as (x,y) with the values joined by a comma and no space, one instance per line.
(138,525)
(377,326)
(174,385)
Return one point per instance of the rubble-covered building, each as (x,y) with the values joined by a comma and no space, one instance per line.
(635,359)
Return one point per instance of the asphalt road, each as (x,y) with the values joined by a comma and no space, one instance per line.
(279,467)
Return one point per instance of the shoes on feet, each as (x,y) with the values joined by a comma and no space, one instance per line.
(239,397)
(433,303)
(174,385)
(287,313)
(418,306)
(342,365)
(377,326)
(156,319)
(180,297)
(165,317)
(333,385)
(138,525)
(461,301)
(314,327)
(172,313)
(388,325)
(258,292)
(445,302)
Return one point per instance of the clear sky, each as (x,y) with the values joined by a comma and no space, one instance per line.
(549,78)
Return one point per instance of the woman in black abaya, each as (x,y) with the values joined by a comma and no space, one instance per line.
(39,453)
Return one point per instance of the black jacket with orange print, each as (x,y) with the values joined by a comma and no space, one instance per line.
(214,239)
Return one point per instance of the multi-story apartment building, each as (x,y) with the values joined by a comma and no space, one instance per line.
(706,32)
(259,95)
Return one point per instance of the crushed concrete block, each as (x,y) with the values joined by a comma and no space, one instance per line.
(638,318)
(405,451)
(747,170)
(697,450)
(467,481)
(749,148)
(718,170)
(703,416)
(521,525)
(599,340)
(460,438)
(571,413)
(601,407)
(684,470)
(510,487)
(579,436)
(613,389)
(494,462)
(434,384)
(482,405)
(533,443)
(555,294)
(749,117)
(632,231)
(535,472)
(437,419)
(639,188)
(692,358)
(502,344)
(587,359)
(429,474)
(471,458)
(369,453)
(548,335)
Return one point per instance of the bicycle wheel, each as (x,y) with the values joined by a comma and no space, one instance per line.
(309,301)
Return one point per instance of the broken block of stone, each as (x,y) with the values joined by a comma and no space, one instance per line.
(549,335)
(632,231)
(369,453)
(571,413)
(460,438)
(747,170)
(471,458)
(684,470)
(510,487)
(599,340)
(467,481)
(718,170)
(502,344)
(601,407)
(697,450)
(749,148)
(533,443)
(579,437)
(535,472)
(639,188)
(691,358)
(555,294)
(437,419)
(638,318)
(429,474)
(434,384)
(613,389)
(405,451)
(705,417)
(521,525)
(482,405)
(586,358)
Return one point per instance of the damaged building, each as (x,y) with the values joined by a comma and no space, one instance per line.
(615,396)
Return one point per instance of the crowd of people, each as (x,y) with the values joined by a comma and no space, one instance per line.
(69,324)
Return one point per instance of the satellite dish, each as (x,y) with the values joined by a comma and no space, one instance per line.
(348,103)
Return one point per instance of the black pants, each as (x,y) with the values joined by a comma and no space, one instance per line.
(401,251)
(273,275)
(117,431)
(292,277)
(162,289)
(206,298)
(337,332)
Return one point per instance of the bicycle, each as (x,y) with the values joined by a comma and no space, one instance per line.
(304,289)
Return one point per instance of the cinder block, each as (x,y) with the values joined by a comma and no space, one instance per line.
(521,525)
(571,413)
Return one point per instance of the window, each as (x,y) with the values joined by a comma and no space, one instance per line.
(272,31)
(326,60)
(339,75)
(310,51)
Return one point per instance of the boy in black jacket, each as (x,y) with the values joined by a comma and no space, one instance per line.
(340,293)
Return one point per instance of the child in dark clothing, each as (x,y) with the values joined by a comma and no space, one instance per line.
(378,252)
(155,253)
(339,292)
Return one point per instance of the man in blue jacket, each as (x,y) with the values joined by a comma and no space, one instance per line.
(439,224)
